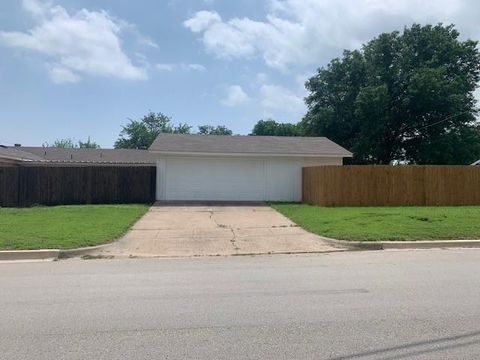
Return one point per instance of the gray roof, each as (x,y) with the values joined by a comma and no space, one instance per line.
(249,145)
(120,156)
(13,153)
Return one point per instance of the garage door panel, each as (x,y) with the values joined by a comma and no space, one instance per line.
(215,179)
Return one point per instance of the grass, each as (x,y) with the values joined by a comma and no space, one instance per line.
(65,227)
(386,223)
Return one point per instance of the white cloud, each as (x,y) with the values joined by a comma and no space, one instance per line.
(302,79)
(282,103)
(181,66)
(36,7)
(235,96)
(165,67)
(262,78)
(202,20)
(196,67)
(147,42)
(59,75)
(314,31)
(83,43)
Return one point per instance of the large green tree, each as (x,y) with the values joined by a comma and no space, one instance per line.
(404,96)
(270,127)
(140,134)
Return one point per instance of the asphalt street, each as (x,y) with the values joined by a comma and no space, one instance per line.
(422,304)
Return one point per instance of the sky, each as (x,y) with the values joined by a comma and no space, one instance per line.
(79,68)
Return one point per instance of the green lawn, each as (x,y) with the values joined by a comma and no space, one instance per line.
(386,223)
(65,227)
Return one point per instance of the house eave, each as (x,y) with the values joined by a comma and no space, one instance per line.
(213,154)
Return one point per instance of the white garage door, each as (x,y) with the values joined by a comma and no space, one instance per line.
(214,179)
(241,179)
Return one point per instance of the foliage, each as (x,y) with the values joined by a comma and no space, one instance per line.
(88,144)
(65,227)
(404,96)
(61,143)
(386,223)
(140,134)
(214,130)
(70,144)
(182,128)
(270,127)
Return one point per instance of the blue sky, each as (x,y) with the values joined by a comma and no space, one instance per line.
(79,68)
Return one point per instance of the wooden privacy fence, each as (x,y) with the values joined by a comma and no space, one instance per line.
(63,185)
(374,185)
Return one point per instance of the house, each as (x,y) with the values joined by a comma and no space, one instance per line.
(11,156)
(77,156)
(204,167)
(476,163)
(238,168)
(60,176)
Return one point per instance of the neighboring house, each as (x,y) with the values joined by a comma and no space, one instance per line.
(13,156)
(476,163)
(63,156)
(238,168)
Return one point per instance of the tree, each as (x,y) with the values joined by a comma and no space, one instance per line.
(61,143)
(404,96)
(140,134)
(88,144)
(270,127)
(214,130)
(70,144)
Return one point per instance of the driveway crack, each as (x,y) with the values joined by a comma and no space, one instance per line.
(215,221)
(234,236)
(234,244)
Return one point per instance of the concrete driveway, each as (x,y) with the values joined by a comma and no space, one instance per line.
(215,230)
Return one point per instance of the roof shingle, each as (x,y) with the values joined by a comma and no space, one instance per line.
(120,156)
(239,144)
(13,153)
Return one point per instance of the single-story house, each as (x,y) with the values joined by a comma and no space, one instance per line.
(77,156)
(54,176)
(205,167)
(11,156)
(238,168)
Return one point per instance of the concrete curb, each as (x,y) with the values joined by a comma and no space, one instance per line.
(46,254)
(420,244)
(342,245)
(438,244)
(65,254)
(353,245)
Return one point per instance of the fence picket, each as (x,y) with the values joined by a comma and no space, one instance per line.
(64,185)
(382,185)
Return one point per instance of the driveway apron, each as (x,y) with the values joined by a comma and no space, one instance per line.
(215,231)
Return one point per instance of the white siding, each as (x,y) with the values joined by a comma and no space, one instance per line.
(161,179)
(284,176)
(233,178)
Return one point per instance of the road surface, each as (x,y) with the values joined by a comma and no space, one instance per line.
(422,304)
